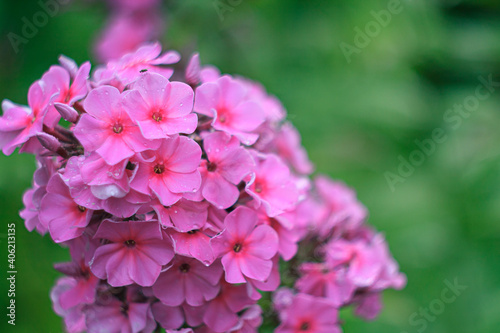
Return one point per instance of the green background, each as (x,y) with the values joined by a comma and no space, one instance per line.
(356,118)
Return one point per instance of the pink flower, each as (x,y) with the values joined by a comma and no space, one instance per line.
(128,68)
(221,314)
(272,186)
(184,215)
(74,318)
(169,317)
(194,243)
(64,218)
(60,80)
(135,253)
(289,148)
(319,280)
(111,315)
(246,250)
(20,123)
(250,321)
(341,208)
(107,129)
(228,163)
(225,100)
(161,108)
(363,263)
(188,280)
(169,171)
(308,314)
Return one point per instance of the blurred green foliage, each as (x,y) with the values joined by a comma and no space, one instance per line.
(356,118)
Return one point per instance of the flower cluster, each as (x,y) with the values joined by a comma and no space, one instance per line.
(183,203)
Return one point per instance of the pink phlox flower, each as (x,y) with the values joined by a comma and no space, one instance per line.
(272,186)
(184,215)
(83,289)
(74,317)
(270,284)
(169,171)
(110,315)
(250,321)
(288,237)
(309,314)
(341,209)
(64,218)
(282,299)
(20,123)
(188,280)
(147,57)
(246,249)
(289,148)
(135,253)
(226,101)
(317,279)
(161,108)
(70,90)
(272,107)
(169,317)
(194,243)
(226,165)
(107,129)
(363,264)
(222,312)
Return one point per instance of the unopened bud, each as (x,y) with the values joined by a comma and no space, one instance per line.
(193,70)
(67,112)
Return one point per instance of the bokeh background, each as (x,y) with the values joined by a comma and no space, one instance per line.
(357,118)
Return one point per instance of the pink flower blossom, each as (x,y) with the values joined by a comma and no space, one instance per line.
(107,129)
(161,108)
(225,100)
(188,280)
(128,68)
(135,253)
(193,243)
(169,171)
(309,314)
(111,315)
(319,280)
(20,123)
(221,314)
(64,218)
(226,166)
(272,186)
(184,215)
(246,250)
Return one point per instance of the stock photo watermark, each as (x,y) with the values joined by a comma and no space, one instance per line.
(453,117)
(420,319)
(222,7)
(31,27)
(11,273)
(372,29)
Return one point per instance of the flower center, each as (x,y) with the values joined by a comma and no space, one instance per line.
(117,128)
(159,168)
(81,209)
(258,187)
(191,232)
(211,167)
(130,243)
(157,116)
(304,326)
(237,247)
(184,268)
